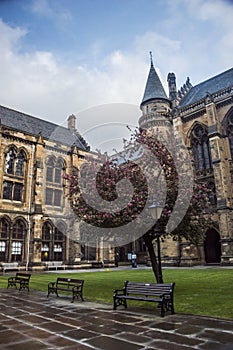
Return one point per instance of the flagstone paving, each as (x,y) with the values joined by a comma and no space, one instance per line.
(30,320)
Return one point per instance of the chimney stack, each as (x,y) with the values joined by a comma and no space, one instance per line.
(72,122)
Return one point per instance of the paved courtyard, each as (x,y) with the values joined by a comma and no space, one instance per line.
(30,320)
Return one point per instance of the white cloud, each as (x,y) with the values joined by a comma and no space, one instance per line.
(35,83)
(44,9)
(38,83)
(10,37)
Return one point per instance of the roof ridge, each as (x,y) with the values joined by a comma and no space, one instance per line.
(33,126)
(214,77)
(212,85)
(31,116)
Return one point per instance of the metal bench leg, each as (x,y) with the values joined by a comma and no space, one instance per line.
(162,309)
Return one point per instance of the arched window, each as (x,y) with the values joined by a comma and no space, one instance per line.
(201,149)
(59,171)
(20,163)
(10,161)
(53,242)
(15,175)
(59,242)
(4,239)
(229,130)
(18,240)
(47,231)
(50,169)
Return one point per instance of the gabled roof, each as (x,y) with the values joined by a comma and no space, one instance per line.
(33,126)
(212,85)
(154,88)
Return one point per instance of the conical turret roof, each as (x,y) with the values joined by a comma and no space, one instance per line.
(154,88)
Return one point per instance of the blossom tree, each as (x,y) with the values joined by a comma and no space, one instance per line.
(111,195)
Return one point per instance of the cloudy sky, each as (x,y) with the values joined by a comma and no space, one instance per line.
(91,57)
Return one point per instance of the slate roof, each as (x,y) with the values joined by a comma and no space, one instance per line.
(212,85)
(154,88)
(33,126)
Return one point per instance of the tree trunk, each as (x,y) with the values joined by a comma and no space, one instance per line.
(153,259)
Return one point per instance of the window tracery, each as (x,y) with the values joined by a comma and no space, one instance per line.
(201,149)
(15,174)
(53,242)
(12,240)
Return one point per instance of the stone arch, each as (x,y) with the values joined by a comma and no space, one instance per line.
(212,246)
(190,131)
(225,119)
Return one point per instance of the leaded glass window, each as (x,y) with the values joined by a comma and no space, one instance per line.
(201,149)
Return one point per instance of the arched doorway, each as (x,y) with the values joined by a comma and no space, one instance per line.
(212,247)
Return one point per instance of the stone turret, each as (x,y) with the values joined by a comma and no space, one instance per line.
(155,105)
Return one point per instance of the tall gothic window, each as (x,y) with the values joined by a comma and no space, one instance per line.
(15,162)
(18,240)
(230,132)
(4,239)
(55,168)
(10,160)
(201,150)
(47,231)
(53,242)
(59,242)
(15,174)
(20,163)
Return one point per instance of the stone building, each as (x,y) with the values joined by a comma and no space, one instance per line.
(35,218)
(203,115)
(36,222)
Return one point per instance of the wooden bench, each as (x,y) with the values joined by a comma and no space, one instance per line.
(10,266)
(68,285)
(159,293)
(54,265)
(20,280)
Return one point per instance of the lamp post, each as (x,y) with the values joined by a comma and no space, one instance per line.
(156,211)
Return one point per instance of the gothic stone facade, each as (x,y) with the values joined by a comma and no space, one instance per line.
(203,115)
(36,222)
(35,218)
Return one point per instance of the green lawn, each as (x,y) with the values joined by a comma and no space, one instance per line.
(200,292)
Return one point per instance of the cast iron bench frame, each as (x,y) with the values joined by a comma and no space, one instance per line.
(10,266)
(161,293)
(63,284)
(20,280)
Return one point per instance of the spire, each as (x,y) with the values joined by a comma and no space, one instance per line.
(154,88)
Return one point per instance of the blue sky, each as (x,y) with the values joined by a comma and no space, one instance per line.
(73,56)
